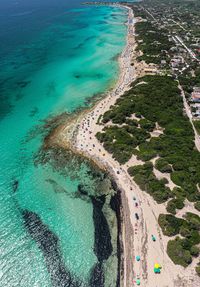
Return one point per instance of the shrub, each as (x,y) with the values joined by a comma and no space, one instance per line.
(171,207)
(179,192)
(194,251)
(178,177)
(179,203)
(146,155)
(130,122)
(177,253)
(160,196)
(147,125)
(145,178)
(194,220)
(138,115)
(170,225)
(164,180)
(145,169)
(184,231)
(194,237)
(162,165)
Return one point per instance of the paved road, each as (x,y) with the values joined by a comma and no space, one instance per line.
(178,25)
(150,14)
(189,50)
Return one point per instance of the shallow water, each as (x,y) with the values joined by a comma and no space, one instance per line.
(52,60)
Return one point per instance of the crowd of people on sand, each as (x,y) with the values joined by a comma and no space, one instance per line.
(89,144)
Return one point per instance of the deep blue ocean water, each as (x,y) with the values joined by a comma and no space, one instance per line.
(54,56)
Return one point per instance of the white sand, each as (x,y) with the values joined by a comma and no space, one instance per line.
(136,233)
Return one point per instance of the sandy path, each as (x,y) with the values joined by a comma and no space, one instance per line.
(136,233)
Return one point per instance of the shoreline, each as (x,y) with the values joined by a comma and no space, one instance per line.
(79,137)
(126,76)
(66,134)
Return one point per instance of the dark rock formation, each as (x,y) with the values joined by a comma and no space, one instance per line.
(102,246)
(48,243)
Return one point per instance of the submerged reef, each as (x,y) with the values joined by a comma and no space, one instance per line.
(49,244)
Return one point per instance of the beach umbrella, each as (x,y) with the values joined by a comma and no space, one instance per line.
(138,258)
(138,282)
(156,270)
(157,266)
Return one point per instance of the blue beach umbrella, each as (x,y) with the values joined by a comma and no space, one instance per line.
(157,270)
(137,258)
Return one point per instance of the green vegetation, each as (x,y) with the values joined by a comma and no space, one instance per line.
(152,42)
(175,203)
(145,178)
(171,208)
(162,165)
(170,224)
(179,192)
(183,12)
(181,250)
(197,126)
(175,148)
(188,81)
(121,141)
(178,254)
(194,251)
(155,99)
(147,125)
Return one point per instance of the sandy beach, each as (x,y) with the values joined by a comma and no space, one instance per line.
(136,233)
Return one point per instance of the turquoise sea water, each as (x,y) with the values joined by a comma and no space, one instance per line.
(53,58)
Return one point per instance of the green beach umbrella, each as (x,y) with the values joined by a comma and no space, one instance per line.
(138,282)
(156,270)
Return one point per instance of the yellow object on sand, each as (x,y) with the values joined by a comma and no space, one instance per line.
(157,266)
